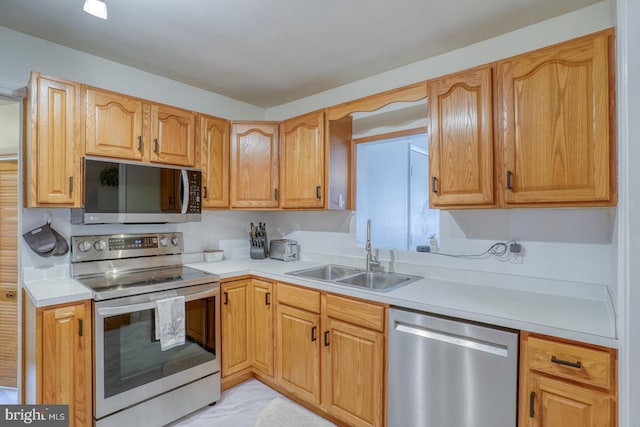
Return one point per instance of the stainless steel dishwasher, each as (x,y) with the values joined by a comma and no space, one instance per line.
(445,372)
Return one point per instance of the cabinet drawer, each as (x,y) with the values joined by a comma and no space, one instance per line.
(295,296)
(587,365)
(356,312)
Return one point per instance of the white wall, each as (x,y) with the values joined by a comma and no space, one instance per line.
(574,24)
(9,128)
(629,205)
(22,54)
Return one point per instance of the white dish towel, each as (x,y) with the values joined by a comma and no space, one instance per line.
(170,322)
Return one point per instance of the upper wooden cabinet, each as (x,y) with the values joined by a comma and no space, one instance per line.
(52,177)
(302,162)
(129,128)
(173,135)
(114,125)
(461,139)
(254,165)
(556,127)
(214,140)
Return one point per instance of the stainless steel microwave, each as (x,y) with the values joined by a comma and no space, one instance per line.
(129,192)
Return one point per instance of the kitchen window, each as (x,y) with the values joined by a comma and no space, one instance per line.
(392,179)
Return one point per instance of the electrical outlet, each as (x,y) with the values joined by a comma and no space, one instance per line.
(516,258)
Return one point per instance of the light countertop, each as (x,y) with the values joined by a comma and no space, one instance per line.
(585,313)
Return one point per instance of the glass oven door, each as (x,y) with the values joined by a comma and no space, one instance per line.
(129,364)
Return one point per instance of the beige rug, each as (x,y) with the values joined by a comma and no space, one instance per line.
(285,413)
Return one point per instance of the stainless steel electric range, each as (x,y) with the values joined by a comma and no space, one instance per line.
(135,382)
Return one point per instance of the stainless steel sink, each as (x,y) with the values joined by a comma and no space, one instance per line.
(378,281)
(374,280)
(326,272)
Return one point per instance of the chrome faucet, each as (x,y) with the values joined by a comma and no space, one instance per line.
(372,261)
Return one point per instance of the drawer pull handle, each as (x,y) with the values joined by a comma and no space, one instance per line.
(532,401)
(566,362)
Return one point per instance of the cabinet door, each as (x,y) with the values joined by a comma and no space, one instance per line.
(302,162)
(254,165)
(354,373)
(553,403)
(114,125)
(236,351)
(173,136)
(214,144)
(558,149)
(66,361)
(53,174)
(298,352)
(461,139)
(262,325)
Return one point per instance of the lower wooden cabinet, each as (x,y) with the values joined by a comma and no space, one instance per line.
(566,384)
(330,352)
(247,326)
(57,346)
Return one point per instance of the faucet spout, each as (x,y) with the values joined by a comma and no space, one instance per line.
(372,260)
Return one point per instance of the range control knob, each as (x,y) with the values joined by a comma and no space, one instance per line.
(175,241)
(84,246)
(164,241)
(100,245)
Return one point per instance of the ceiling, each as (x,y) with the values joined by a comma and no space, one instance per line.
(271,52)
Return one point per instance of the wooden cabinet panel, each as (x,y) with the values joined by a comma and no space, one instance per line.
(254,165)
(114,125)
(302,162)
(296,296)
(214,140)
(66,360)
(173,136)
(555,124)
(579,363)
(354,373)
(53,143)
(566,383)
(559,404)
(236,343)
(262,318)
(361,313)
(298,352)
(461,139)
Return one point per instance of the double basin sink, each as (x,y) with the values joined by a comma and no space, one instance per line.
(375,280)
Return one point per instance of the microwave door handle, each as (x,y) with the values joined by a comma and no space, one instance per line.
(184,191)
(132,308)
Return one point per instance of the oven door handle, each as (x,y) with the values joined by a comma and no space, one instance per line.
(132,308)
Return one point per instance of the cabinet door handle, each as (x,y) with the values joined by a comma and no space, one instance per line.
(267,298)
(509,183)
(326,338)
(139,142)
(318,192)
(155,145)
(434,184)
(577,365)
(226,298)
(275,193)
(313,333)
(80,327)
(70,184)
(205,191)
(532,401)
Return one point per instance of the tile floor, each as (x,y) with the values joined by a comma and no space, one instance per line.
(237,407)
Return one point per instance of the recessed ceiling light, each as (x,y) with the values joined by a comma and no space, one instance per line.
(96,8)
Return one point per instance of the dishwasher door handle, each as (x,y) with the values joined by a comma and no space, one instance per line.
(458,340)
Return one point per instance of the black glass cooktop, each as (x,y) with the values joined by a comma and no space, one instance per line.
(133,282)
